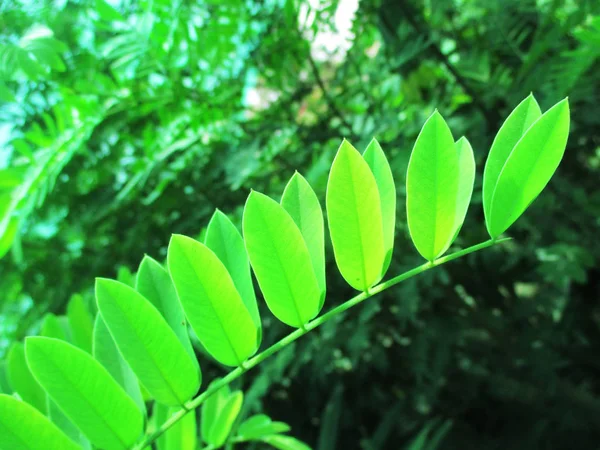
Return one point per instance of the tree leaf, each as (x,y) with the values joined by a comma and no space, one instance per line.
(162,365)
(106,353)
(382,172)
(302,204)
(211,302)
(86,392)
(281,261)
(23,427)
(528,169)
(211,409)
(225,419)
(53,326)
(182,435)
(355,219)
(432,189)
(224,239)
(513,128)
(21,380)
(81,323)
(155,284)
(466,180)
(283,442)
(258,426)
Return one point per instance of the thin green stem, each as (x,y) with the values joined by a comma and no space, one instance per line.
(256,360)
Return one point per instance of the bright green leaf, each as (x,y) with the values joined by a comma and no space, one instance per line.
(281,261)
(211,409)
(107,12)
(355,219)
(57,417)
(53,326)
(22,427)
(211,302)
(513,128)
(21,380)
(162,365)
(432,188)
(154,283)
(86,392)
(106,353)
(80,322)
(466,179)
(302,204)
(528,169)
(382,172)
(224,239)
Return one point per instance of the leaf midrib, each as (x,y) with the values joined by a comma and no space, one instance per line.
(82,396)
(152,360)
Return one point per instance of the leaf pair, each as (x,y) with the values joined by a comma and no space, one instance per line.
(219,413)
(439,184)
(524,155)
(361,210)
(285,244)
(214,285)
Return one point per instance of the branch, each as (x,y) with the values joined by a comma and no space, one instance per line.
(296,334)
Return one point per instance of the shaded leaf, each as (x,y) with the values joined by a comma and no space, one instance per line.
(80,322)
(21,380)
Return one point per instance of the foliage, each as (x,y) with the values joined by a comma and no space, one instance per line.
(155,122)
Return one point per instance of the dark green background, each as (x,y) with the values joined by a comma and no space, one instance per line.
(131,130)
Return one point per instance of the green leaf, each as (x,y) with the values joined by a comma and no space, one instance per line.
(432,189)
(355,219)
(4,384)
(224,239)
(258,426)
(513,128)
(281,261)
(53,326)
(80,322)
(162,365)
(211,408)
(57,417)
(528,169)
(302,204)
(211,302)
(227,416)
(21,380)
(182,435)
(382,172)
(107,12)
(86,392)
(154,283)
(466,180)
(6,94)
(22,427)
(106,353)
(283,442)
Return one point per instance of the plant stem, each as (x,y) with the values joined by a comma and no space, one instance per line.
(256,360)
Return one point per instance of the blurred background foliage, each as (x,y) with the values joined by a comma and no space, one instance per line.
(123,121)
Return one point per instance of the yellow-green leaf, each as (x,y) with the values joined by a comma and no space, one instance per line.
(211,302)
(355,219)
